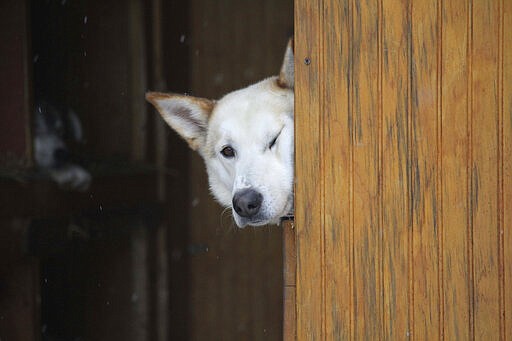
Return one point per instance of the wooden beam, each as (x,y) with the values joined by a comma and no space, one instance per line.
(289,281)
(15,108)
(19,284)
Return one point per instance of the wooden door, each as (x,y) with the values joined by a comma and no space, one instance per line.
(404,169)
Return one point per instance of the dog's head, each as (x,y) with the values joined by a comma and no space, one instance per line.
(246,141)
(53,129)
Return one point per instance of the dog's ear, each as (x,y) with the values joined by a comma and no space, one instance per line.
(186,114)
(287,74)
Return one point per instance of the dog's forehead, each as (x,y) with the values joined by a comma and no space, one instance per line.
(252,110)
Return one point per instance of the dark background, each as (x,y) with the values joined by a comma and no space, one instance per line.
(145,253)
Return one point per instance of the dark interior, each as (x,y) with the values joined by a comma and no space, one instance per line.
(144,253)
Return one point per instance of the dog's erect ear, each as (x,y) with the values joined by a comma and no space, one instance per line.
(287,74)
(186,114)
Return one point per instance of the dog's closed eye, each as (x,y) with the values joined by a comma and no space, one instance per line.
(274,140)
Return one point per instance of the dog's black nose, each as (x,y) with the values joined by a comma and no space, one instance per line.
(247,203)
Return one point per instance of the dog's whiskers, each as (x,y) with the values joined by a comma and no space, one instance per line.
(229,213)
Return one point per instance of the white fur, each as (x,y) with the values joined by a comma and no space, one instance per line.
(247,120)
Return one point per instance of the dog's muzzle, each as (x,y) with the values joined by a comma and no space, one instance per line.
(247,203)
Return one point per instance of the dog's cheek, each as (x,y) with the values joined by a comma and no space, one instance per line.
(286,148)
(220,182)
(274,183)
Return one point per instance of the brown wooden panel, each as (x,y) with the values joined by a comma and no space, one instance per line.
(428,176)
(365,118)
(396,163)
(425,167)
(456,275)
(484,169)
(289,281)
(338,214)
(309,217)
(506,153)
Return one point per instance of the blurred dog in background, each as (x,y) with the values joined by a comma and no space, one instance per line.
(53,130)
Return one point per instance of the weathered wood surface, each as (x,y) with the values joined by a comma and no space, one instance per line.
(289,280)
(404,169)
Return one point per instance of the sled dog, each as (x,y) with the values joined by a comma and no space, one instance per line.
(246,141)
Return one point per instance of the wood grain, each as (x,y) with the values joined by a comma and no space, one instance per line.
(309,218)
(396,167)
(365,120)
(339,262)
(484,169)
(404,169)
(289,281)
(456,276)
(506,214)
(425,168)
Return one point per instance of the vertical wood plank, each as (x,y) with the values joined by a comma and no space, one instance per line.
(396,178)
(139,243)
(160,128)
(338,236)
(425,168)
(366,199)
(161,308)
(454,174)
(15,89)
(484,172)
(501,176)
(20,290)
(137,79)
(96,71)
(289,281)
(507,161)
(308,149)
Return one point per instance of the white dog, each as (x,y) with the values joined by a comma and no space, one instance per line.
(246,141)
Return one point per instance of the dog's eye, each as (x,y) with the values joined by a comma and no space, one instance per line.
(228,152)
(273,142)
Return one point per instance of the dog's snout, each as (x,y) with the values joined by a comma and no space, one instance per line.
(247,203)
